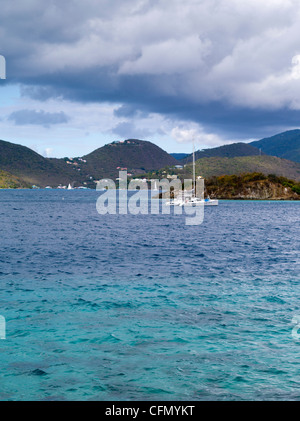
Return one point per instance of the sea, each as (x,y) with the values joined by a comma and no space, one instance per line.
(144,307)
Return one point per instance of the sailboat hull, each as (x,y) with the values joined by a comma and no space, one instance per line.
(210,202)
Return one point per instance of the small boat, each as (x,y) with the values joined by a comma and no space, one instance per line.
(70,187)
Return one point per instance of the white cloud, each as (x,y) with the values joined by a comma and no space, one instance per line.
(295,71)
(48,152)
(275,91)
(169,57)
(192,133)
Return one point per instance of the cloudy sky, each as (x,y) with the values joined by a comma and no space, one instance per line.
(80,74)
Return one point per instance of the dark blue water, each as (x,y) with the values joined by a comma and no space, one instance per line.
(143,307)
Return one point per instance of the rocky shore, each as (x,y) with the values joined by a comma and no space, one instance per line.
(251,186)
(262,190)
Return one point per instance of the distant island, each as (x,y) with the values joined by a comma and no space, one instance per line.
(237,171)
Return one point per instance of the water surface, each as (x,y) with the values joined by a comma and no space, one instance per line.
(143,307)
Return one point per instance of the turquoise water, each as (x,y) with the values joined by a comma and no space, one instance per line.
(132,307)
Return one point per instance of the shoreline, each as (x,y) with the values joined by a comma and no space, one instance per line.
(242,199)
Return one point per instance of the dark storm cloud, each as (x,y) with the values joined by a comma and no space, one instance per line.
(128,111)
(232,66)
(128,130)
(42,118)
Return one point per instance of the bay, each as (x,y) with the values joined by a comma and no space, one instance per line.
(143,307)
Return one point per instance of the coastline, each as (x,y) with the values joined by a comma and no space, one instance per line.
(165,196)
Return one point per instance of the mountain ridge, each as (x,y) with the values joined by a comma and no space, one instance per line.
(140,156)
(135,155)
(284,145)
(225,151)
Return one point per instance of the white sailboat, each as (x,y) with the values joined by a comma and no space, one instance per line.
(70,187)
(194,200)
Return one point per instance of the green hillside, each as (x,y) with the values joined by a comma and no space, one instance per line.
(225,151)
(29,165)
(284,145)
(208,167)
(138,157)
(135,155)
(9,181)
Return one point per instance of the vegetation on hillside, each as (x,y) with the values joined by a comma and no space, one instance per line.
(29,165)
(209,167)
(134,155)
(283,145)
(226,151)
(9,181)
(139,158)
(247,186)
(234,183)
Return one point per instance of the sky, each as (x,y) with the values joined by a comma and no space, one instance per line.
(81,74)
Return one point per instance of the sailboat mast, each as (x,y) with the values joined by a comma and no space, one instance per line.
(194,173)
